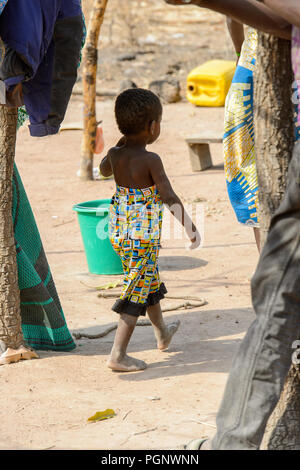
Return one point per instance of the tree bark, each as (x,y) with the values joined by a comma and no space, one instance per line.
(89,60)
(274,140)
(282,431)
(274,130)
(10,317)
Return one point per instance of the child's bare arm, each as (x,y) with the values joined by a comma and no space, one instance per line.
(171,199)
(105,166)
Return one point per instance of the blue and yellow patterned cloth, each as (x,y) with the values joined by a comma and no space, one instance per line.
(239,152)
(2,5)
(135,232)
(239,156)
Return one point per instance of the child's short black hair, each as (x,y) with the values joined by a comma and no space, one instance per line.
(135,108)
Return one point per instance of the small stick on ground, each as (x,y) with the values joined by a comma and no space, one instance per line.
(127,414)
(144,432)
(137,433)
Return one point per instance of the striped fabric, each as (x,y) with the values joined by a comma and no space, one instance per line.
(43,321)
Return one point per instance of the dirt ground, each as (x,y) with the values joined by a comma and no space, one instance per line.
(45,403)
(159,41)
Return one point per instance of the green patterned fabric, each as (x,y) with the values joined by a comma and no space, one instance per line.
(22,116)
(43,321)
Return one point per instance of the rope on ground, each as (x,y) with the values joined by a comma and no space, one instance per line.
(190,302)
(107,331)
(184,305)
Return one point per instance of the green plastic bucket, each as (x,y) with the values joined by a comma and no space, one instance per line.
(93,217)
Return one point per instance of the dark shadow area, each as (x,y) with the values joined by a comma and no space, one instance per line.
(208,247)
(180,263)
(219,166)
(228,245)
(205,283)
(196,345)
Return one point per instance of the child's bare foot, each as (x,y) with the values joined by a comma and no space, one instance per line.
(164,337)
(126,364)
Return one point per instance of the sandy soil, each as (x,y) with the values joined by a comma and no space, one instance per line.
(165,41)
(45,403)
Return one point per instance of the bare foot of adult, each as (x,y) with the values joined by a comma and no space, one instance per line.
(15,355)
(9,356)
(164,337)
(126,364)
(27,353)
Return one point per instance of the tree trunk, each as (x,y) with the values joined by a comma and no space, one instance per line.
(274,137)
(89,89)
(10,318)
(283,428)
(274,130)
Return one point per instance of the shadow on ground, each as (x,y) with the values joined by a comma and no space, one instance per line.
(199,345)
(180,263)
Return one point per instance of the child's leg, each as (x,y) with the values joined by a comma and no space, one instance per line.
(118,358)
(163,333)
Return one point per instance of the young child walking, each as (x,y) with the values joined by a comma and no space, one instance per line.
(136,210)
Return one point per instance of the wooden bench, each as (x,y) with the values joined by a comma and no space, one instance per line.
(199,150)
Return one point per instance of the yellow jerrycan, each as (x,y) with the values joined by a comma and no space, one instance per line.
(208,84)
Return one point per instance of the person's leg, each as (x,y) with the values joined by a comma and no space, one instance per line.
(119,360)
(259,369)
(163,333)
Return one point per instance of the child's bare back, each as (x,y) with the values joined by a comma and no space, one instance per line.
(131,166)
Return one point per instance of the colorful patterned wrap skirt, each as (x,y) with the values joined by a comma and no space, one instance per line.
(239,148)
(239,155)
(135,232)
